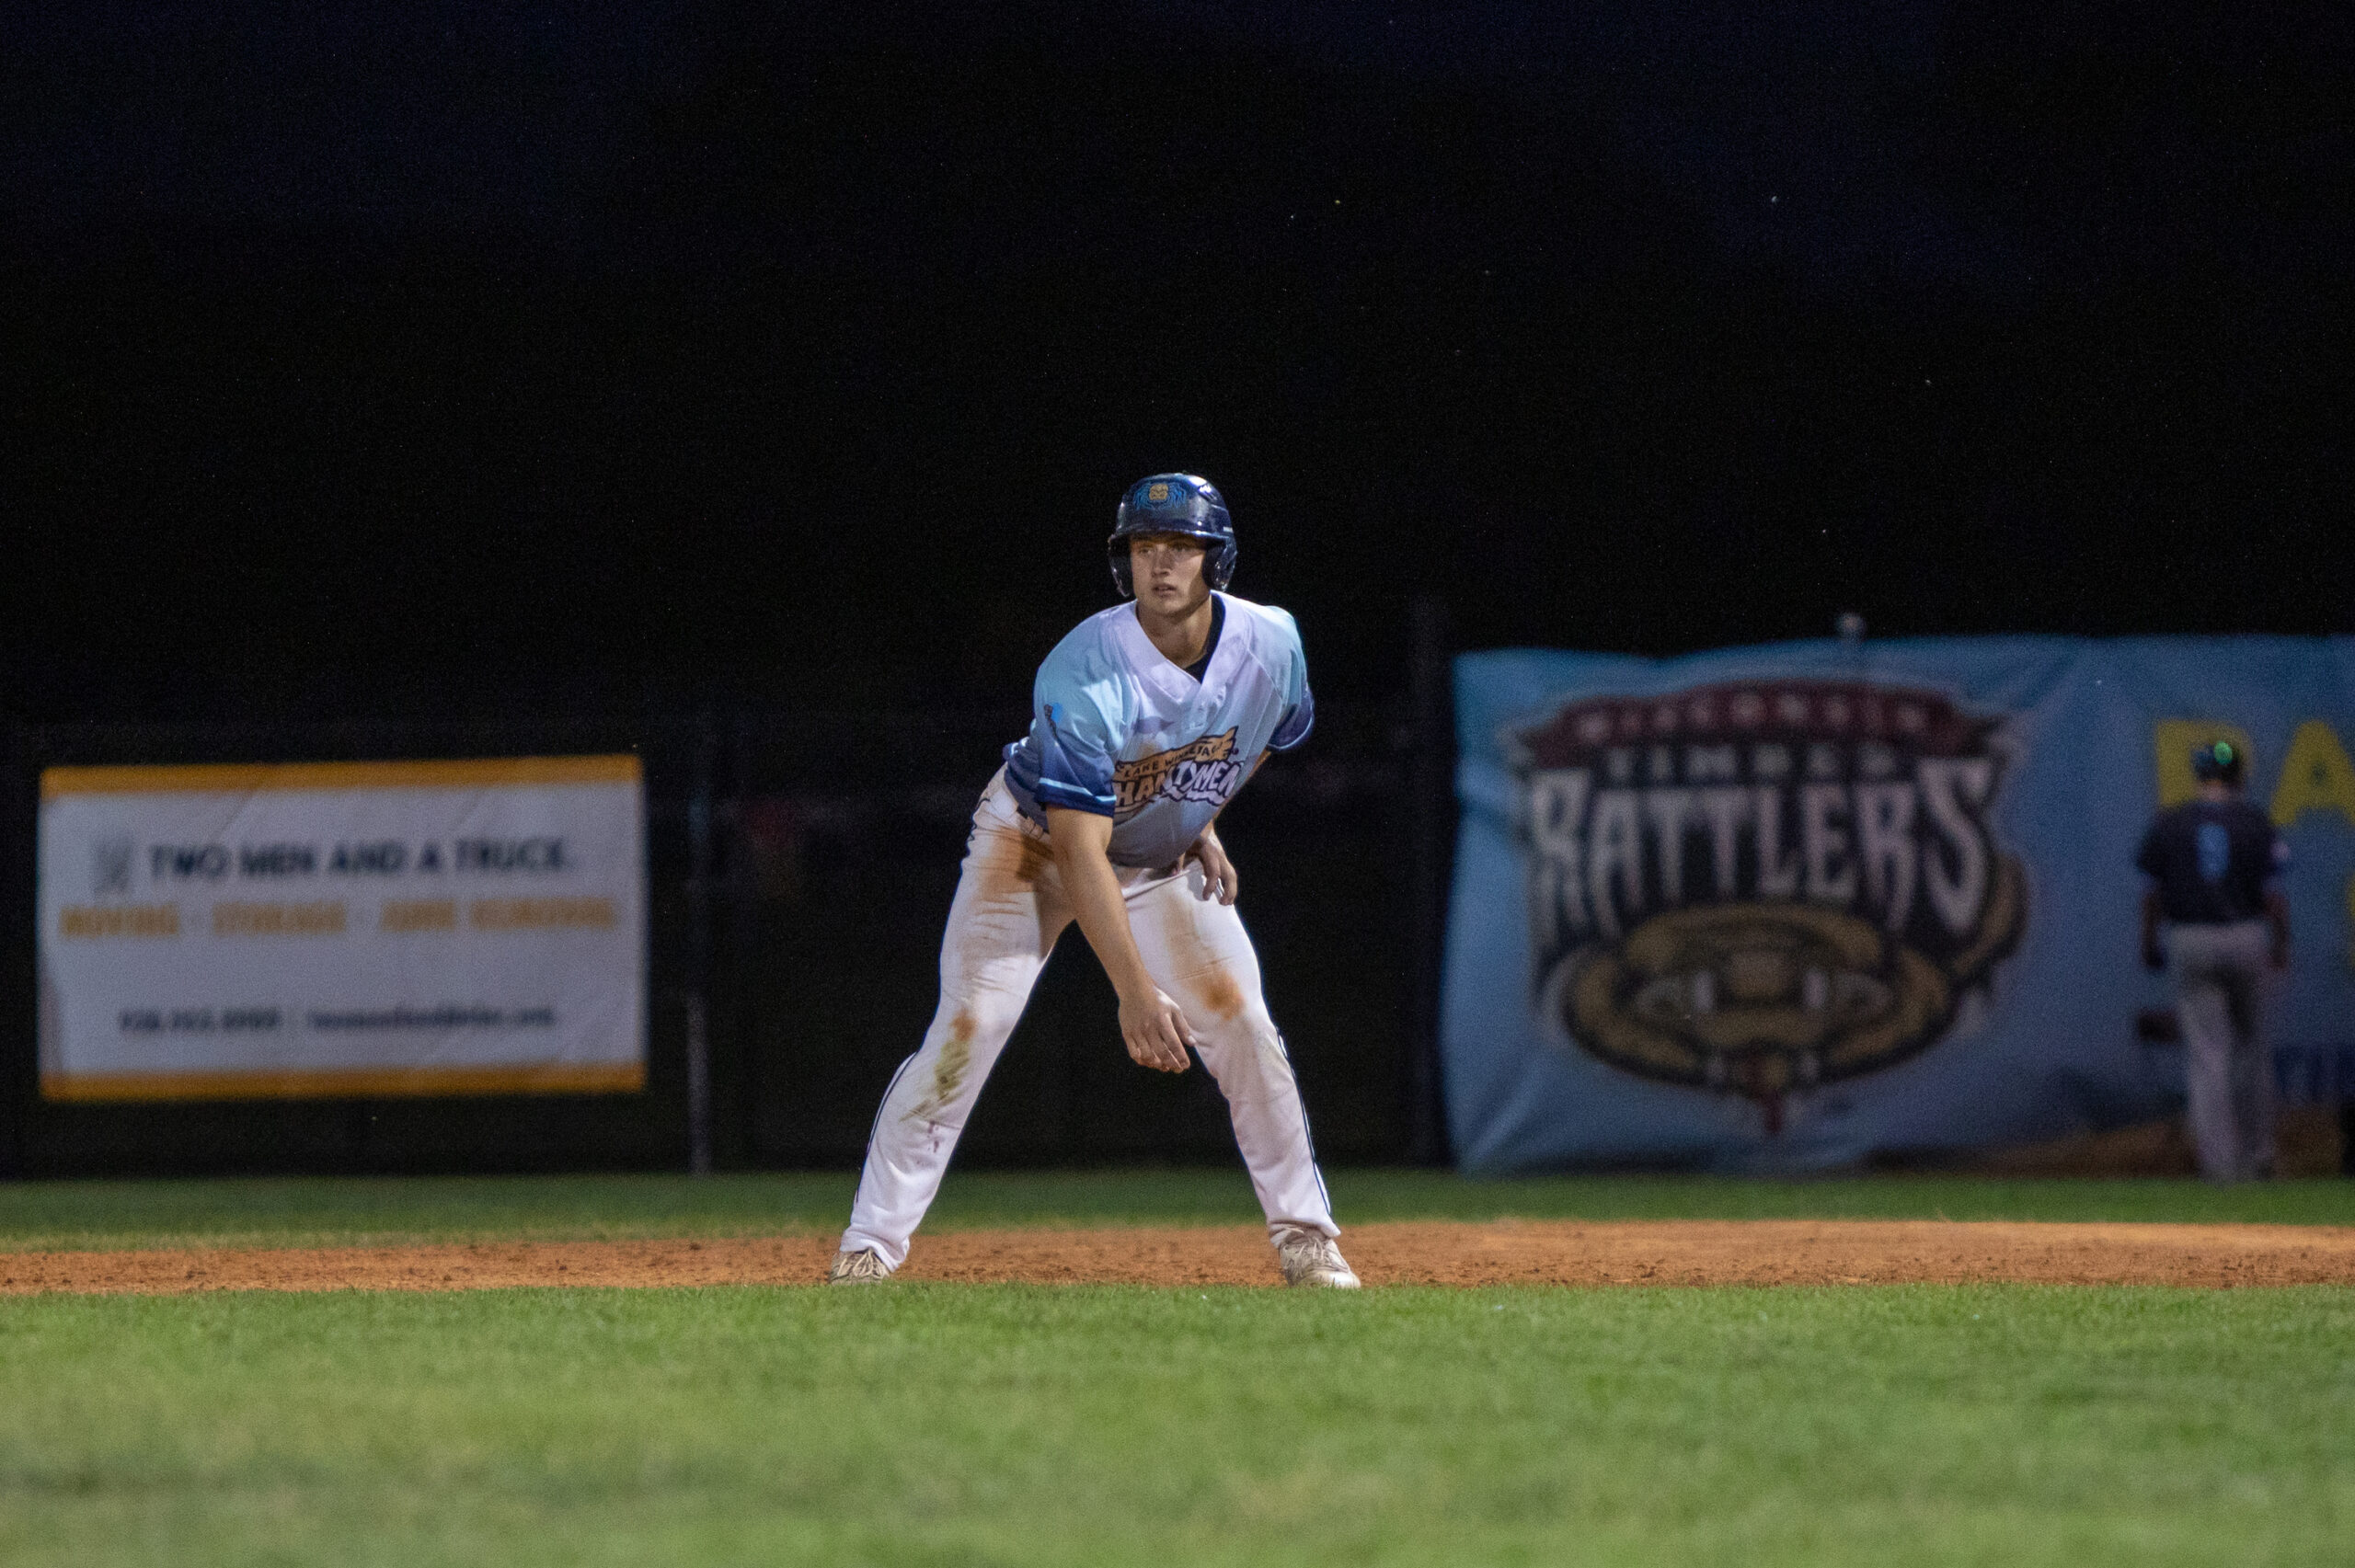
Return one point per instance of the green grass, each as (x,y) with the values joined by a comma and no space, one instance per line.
(1093,1426)
(311,1212)
(940,1425)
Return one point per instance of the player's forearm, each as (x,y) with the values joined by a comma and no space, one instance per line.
(1097,903)
(1093,889)
(1210,828)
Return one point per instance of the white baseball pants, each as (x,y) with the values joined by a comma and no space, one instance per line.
(1009,911)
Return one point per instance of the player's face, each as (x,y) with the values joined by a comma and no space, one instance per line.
(1167,571)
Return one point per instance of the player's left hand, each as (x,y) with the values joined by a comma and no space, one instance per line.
(1218,872)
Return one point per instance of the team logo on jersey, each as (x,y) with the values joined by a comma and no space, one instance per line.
(1204,770)
(1761,887)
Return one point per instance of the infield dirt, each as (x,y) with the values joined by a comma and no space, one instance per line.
(1570,1252)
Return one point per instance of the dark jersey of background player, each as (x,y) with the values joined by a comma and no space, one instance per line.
(2210,862)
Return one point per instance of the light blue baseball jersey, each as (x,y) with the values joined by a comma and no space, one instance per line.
(1117,729)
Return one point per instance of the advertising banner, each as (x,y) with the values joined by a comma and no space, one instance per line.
(300,930)
(1781,908)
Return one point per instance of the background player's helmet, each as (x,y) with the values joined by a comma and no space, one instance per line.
(1173,503)
(2219,760)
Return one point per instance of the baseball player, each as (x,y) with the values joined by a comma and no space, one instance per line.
(2212,865)
(1146,721)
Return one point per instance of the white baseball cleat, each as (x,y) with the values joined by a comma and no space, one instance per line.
(1309,1259)
(864,1267)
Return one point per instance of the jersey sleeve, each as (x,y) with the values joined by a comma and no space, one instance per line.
(1299,705)
(1075,736)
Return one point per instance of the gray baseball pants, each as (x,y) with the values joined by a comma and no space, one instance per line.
(2219,975)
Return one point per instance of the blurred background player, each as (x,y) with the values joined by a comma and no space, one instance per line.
(2212,864)
(1146,721)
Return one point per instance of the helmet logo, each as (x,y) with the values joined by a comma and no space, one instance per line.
(1156,492)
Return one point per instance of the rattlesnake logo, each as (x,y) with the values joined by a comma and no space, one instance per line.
(1760,887)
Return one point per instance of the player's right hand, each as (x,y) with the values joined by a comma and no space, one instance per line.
(1156,1033)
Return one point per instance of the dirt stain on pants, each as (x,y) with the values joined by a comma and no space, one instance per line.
(948,1071)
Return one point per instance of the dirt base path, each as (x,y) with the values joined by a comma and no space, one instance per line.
(1695,1251)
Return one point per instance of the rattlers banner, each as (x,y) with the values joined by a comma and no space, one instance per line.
(1783,908)
(342,929)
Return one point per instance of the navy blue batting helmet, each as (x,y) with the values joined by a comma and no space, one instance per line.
(2218,761)
(1187,504)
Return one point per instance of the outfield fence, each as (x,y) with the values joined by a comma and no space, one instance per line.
(797,865)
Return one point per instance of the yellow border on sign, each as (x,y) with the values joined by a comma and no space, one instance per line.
(358,1083)
(224,778)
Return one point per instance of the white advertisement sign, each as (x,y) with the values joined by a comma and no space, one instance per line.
(319,929)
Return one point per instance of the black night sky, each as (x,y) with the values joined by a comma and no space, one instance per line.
(361,360)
